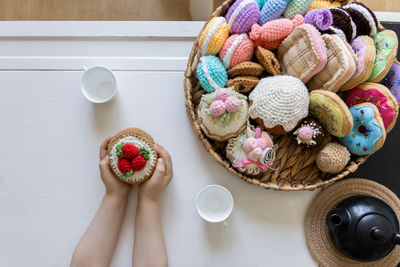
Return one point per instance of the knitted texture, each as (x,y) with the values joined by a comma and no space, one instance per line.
(364,18)
(297,7)
(268,60)
(138,163)
(211,73)
(243,84)
(124,165)
(261,3)
(309,133)
(247,68)
(232,104)
(322,19)
(319,4)
(242,15)
(129,151)
(237,49)
(279,100)
(272,10)
(333,158)
(223,94)
(213,37)
(217,108)
(342,24)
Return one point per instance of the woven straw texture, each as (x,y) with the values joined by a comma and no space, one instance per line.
(317,234)
(297,169)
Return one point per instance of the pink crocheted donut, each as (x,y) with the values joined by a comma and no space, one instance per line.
(237,49)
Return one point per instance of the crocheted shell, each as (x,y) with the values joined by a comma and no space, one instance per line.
(279,100)
(211,73)
(237,49)
(213,36)
(242,15)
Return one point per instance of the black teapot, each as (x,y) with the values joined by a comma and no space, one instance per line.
(363,228)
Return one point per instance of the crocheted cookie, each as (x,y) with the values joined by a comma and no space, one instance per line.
(368,134)
(340,67)
(252,152)
(247,68)
(242,15)
(342,24)
(309,132)
(320,4)
(364,48)
(363,18)
(211,73)
(243,84)
(271,34)
(392,80)
(321,19)
(381,97)
(279,103)
(303,53)
(237,49)
(330,110)
(268,60)
(273,9)
(297,7)
(213,36)
(386,44)
(223,114)
(132,155)
(333,158)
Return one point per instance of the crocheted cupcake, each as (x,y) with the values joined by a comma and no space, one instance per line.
(237,49)
(333,158)
(213,37)
(211,73)
(242,15)
(273,9)
(309,133)
(279,103)
(252,152)
(297,7)
(223,114)
(132,155)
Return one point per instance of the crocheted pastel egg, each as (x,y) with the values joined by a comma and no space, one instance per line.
(297,7)
(279,103)
(213,37)
(221,116)
(242,15)
(333,158)
(211,73)
(237,49)
(273,9)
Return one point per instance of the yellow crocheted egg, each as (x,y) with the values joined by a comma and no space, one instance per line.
(214,36)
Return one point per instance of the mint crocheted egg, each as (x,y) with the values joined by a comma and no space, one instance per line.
(211,73)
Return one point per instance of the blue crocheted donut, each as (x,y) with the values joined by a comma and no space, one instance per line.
(368,130)
(211,73)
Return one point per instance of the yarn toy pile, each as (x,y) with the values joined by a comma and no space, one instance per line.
(323,72)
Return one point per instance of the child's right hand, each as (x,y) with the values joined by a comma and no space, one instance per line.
(152,189)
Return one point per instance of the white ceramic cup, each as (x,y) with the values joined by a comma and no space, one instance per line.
(98,85)
(214,203)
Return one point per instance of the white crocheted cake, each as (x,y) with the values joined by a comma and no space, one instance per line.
(279,103)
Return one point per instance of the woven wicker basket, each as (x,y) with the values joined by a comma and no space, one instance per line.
(297,169)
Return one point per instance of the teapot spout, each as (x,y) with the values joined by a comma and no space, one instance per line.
(336,219)
(397,239)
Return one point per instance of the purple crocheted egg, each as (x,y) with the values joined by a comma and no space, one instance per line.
(242,15)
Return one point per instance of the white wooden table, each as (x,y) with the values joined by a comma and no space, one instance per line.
(49,137)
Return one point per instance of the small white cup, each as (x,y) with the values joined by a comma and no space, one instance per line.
(214,203)
(98,85)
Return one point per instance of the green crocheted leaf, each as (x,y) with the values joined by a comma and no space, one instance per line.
(145,153)
(126,175)
(208,98)
(118,149)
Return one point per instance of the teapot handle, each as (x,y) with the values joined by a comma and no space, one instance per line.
(397,239)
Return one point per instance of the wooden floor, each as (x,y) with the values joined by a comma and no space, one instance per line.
(121,9)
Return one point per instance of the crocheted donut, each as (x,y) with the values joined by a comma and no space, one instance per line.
(368,134)
(386,44)
(211,73)
(273,9)
(242,15)
(392,80)
(381,97)
(297,7)
(237,49)
(213,37)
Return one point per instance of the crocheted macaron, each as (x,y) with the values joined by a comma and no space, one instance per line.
(211,73)
(364,19)
(223,114)
(297,7)
(392,80)
(242,15)
(272,10)
(132,155)
(342,24)
(279,103)
(213,37)
(238,48)
(333,158)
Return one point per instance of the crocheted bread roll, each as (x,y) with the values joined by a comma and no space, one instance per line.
(333,158)
(279,101)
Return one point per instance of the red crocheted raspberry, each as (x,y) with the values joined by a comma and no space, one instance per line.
(138,163)
(124,165)
(130,151)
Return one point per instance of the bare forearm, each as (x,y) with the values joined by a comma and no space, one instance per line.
(99,241)
(149,246)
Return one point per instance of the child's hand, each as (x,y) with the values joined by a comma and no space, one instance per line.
(162,175)
(113,185)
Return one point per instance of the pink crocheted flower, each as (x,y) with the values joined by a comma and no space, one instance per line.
(305,133)
(232,104)
(217,108)
(261,143)
(255,154)
(222,94)
(249,144)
